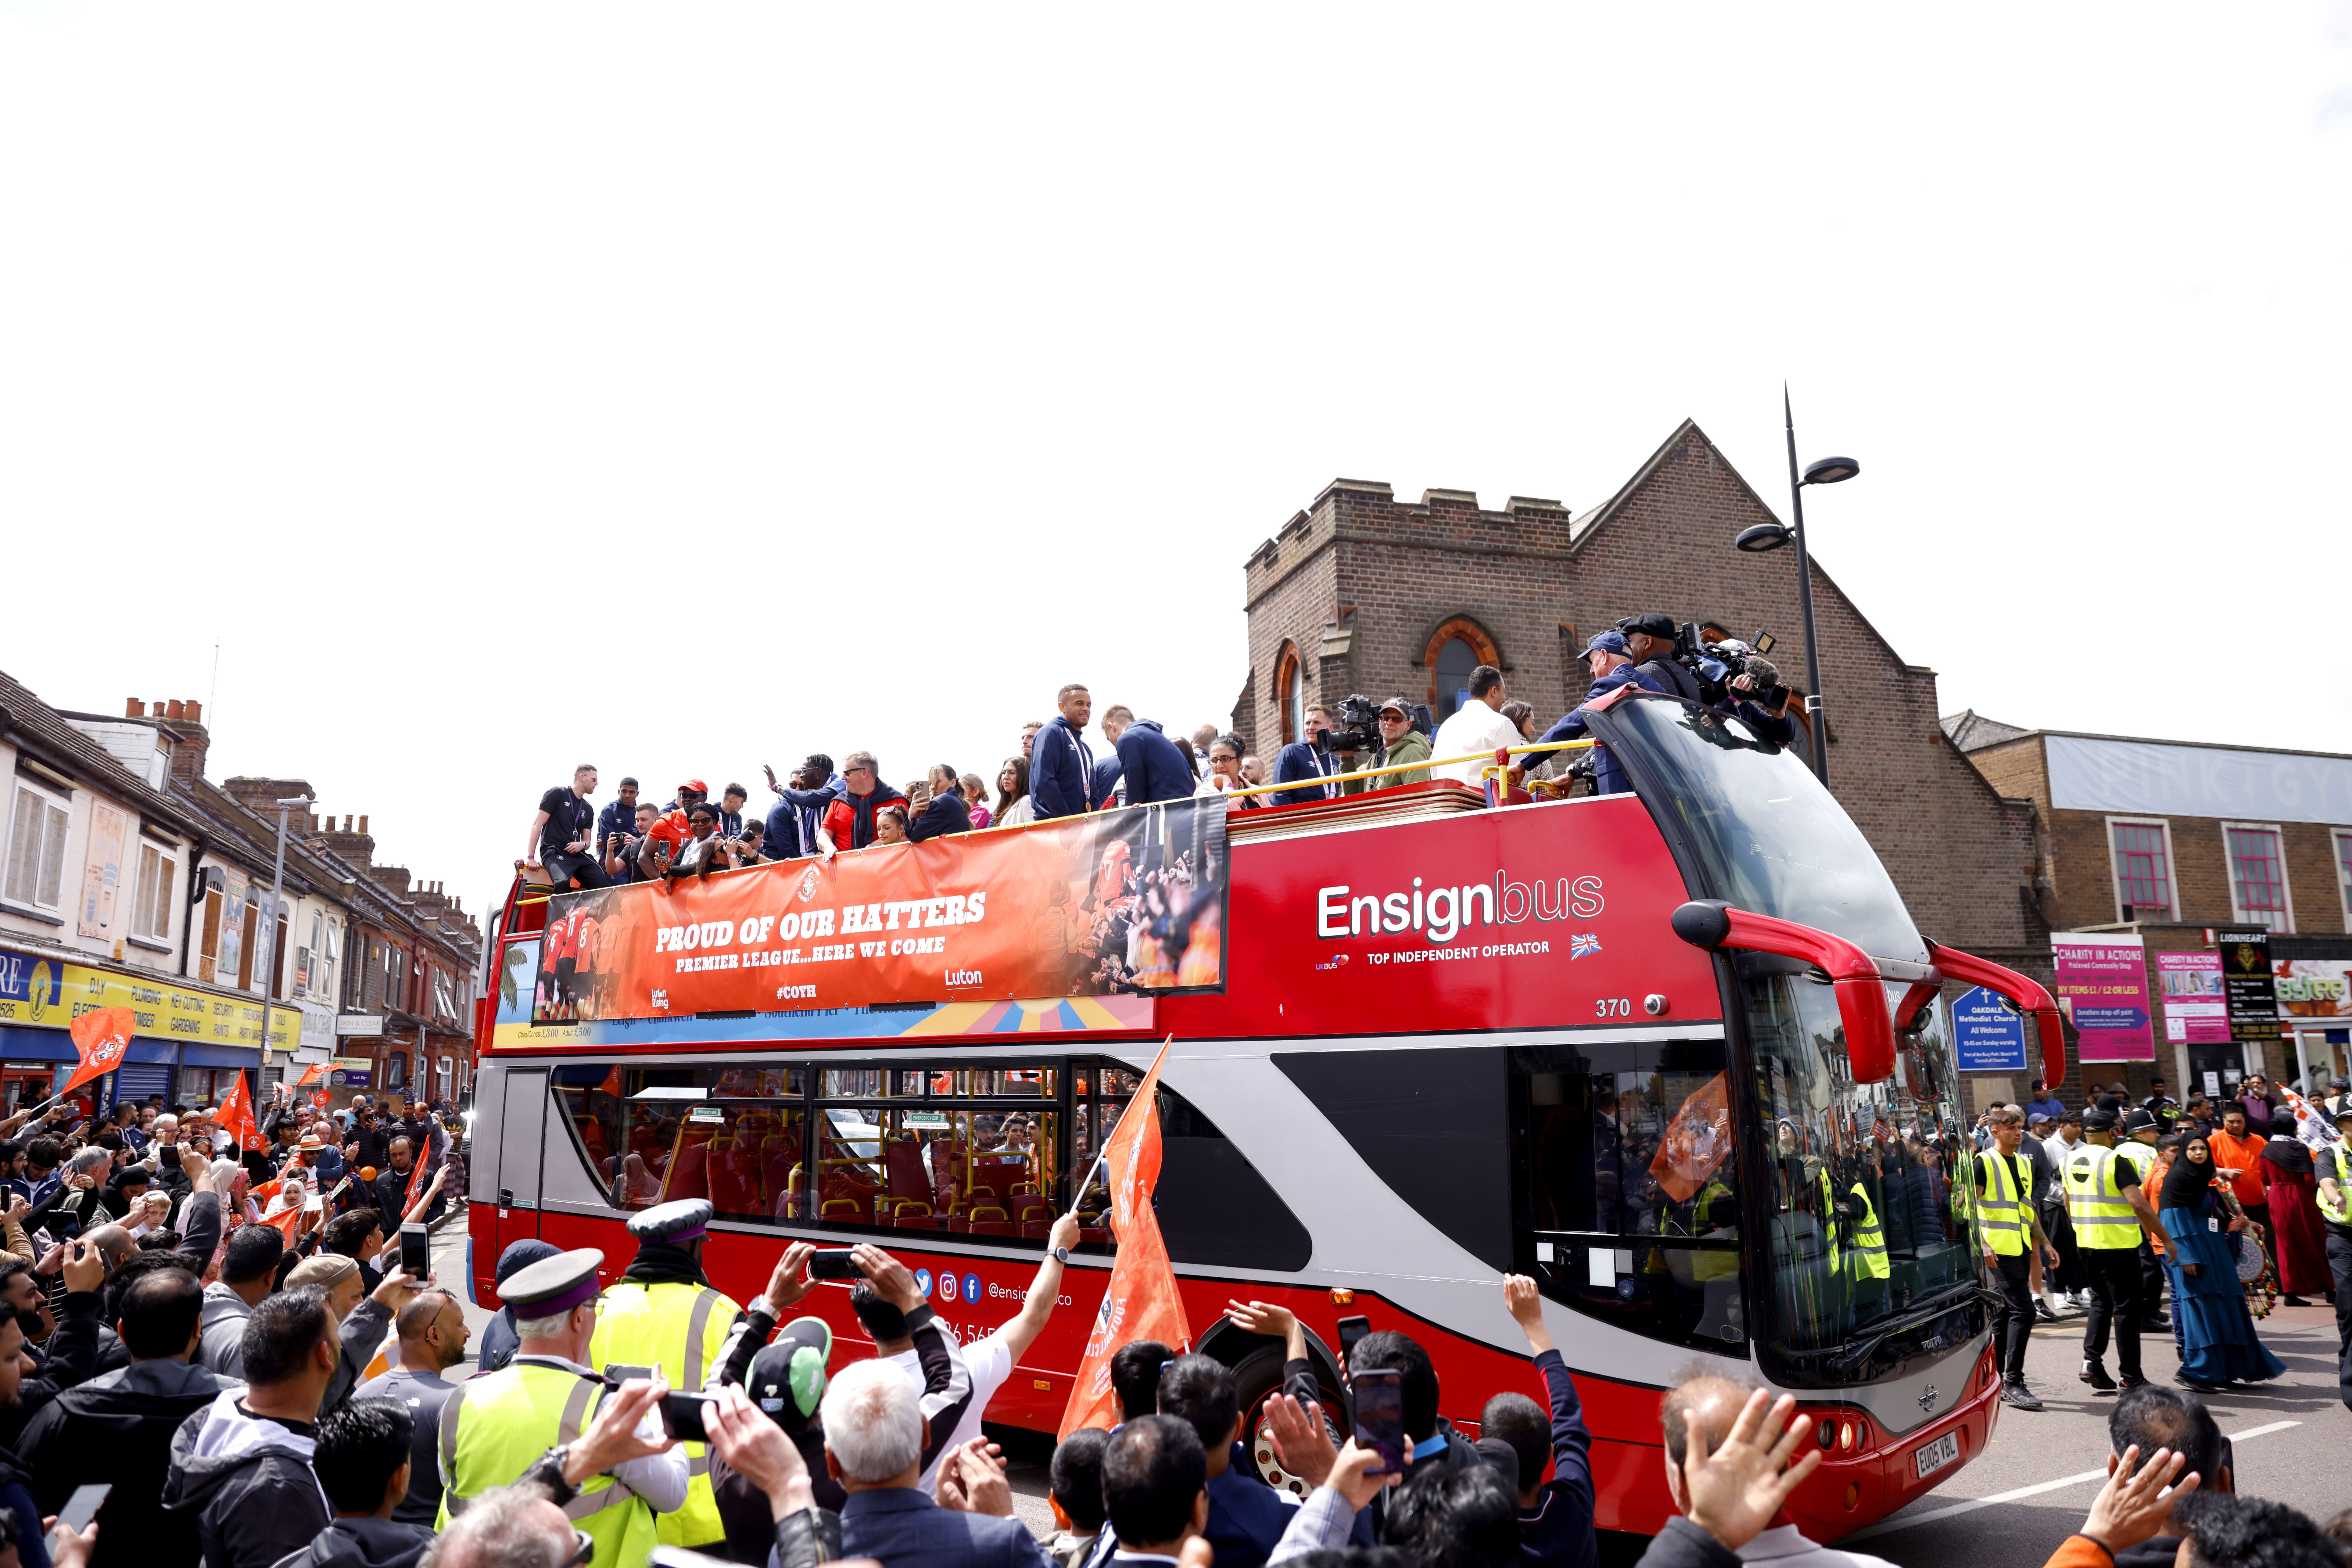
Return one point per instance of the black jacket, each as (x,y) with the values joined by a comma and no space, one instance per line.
(119,1428)
(363,1544)
(1683,1544)
(67,1357)
(17,1501)
(247,1482)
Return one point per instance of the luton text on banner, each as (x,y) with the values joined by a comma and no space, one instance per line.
(1115,902)
(1142,1301)
(104,1038)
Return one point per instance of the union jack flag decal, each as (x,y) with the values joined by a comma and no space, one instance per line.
(1583,943)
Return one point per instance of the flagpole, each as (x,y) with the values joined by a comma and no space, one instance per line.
(1077,1195)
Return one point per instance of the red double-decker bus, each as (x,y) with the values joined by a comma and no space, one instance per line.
(1678,1053)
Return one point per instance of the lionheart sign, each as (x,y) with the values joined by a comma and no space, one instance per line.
(1131,901)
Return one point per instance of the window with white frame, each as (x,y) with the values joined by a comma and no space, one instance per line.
(36,848)
(2344,872)
(2258,892)
(2142,851)
(150,915)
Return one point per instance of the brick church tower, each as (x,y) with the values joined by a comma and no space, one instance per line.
(1362,594)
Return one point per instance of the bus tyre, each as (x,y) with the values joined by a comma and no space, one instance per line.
(1257,1377)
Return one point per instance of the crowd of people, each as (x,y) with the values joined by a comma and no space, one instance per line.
(197,1301)
(2118,1207)
(1054,772)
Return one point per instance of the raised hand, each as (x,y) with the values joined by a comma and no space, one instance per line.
(1734,1492)
(2134,1505)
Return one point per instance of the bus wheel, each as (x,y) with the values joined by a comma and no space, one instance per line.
(1257,1378)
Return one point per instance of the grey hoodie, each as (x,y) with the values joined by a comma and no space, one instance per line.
(221,1348)
(248,1482)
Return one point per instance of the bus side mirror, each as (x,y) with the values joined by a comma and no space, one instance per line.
(2029,997)
(1861,994)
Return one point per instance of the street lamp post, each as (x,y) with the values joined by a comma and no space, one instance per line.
(276,910)
(1766,536)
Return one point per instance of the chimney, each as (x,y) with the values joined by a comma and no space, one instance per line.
(260,796)
(134,709)
(190,740)
(356,847)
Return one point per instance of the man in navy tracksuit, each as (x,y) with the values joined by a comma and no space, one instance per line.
(1155,767)
(1246,1517)
(791,825)
(1061,768)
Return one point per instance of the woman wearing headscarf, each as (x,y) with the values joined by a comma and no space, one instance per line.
(2217,1333)
(2298,1239)
(499,1338)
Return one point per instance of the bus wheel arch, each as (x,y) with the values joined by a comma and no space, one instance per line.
(1257,1360)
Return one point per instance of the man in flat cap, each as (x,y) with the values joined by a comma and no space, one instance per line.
(663,1314)
(546,1415)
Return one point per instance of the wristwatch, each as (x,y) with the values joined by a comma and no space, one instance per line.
(1061,1255)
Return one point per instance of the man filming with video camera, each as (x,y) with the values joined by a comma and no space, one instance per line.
(1678,660)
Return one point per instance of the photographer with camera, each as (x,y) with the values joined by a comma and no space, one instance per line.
(1730,678)
(1401,744)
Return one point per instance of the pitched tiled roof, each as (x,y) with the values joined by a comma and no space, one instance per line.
(34,721)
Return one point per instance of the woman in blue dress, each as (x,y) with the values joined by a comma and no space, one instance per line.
(2217,1335)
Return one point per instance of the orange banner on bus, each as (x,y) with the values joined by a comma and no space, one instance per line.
(1131,901)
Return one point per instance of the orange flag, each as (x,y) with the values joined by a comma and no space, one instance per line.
(235,1117)
(1141,1302)
(1698,1141)
(312,1074)
(104,1038)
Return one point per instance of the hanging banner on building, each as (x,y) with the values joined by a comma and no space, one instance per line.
(1120,901)
(48,994)
(2246,983)
(2195,1012)
(101,872)
(2101,985)
(1986,1036)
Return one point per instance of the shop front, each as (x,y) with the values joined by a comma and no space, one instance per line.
(188,1045)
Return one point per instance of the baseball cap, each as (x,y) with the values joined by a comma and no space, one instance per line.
(1399,704)
(1607,642)
(696,785)
(788,1376)
(2098,1120)
(1651,624)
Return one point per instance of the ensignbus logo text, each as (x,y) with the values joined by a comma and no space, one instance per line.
(1442,913)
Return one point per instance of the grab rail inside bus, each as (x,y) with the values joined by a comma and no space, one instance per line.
(2026,995)
(1860,992)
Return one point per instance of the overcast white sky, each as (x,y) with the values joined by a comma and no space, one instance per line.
(686,388)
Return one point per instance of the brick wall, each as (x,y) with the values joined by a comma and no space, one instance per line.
(1385,574)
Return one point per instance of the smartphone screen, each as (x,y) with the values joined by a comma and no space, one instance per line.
(415,1249)
(831,1263)
(1350,1330)
(682,1415)
(83,1506)
(1378,1402)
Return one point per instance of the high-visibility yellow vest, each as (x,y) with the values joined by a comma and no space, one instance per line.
(2000,1213)
(679,1328)
(1714,1208)
(2340,1211)
(2095,1205)
(1869,1239)
(496,1427)
(1828,1217)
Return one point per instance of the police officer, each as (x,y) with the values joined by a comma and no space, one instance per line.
(665,1314)
(2137,1144)
(2007,1224)
(612,1474)
(2335,1163)
(2109,1210)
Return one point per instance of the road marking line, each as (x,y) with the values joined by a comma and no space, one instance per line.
(1972,1504)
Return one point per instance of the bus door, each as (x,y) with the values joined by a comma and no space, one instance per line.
(520,1154)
